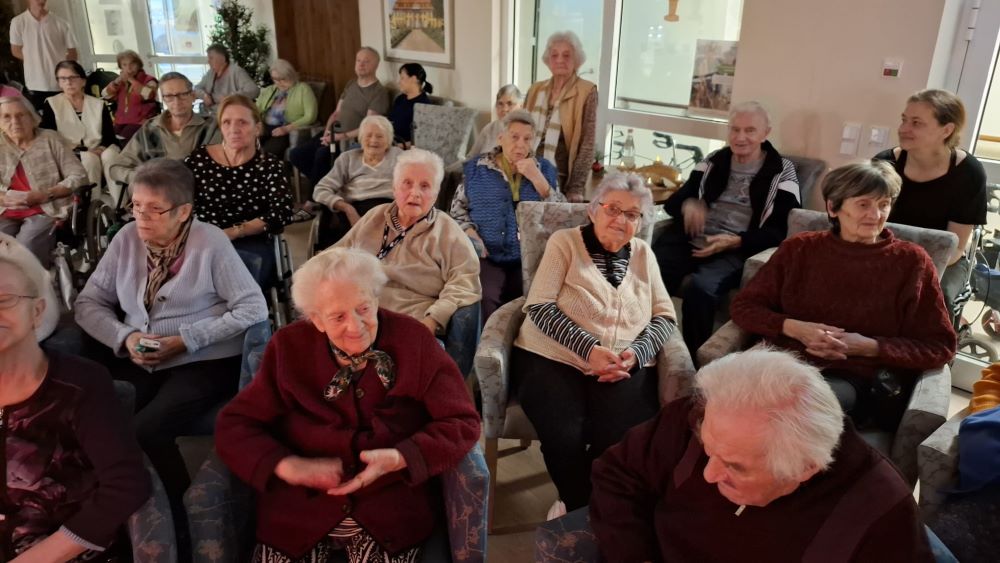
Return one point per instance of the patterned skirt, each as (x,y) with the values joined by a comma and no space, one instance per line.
(348,535)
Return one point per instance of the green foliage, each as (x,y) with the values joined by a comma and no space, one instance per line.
(248,46)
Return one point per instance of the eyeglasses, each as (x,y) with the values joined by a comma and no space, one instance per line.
(68,78)
(614,211)
(177,96)
(10,301)
(148,213)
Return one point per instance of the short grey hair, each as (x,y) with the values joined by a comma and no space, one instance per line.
(750,107)
(284,70)
(166,176)
(37,278)
(869,178)
(379,121)
(806,420)
(519,116)
(378,57)
(631,183)
(176,76)
(341,264)
(570,38)
(510,90)
(423,158)
(27,105)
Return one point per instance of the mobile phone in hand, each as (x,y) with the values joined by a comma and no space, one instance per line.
(147,345)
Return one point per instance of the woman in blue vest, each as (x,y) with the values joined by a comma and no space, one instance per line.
(495,182)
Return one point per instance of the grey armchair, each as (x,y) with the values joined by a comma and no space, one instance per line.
(502,414)
(443,130)
(928,405)
(937,461)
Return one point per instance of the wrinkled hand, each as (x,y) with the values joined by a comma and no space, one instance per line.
(131,341)
(574,197)
(528,168)
(378,463)
(430,323)
(606,365)
(352,214)
(716,244)
(859,344)
(323,473)
(96,151)
(821,340)
(279,131)
(694,211)
(170,346)
(325,139)
(481,247)
(628,358)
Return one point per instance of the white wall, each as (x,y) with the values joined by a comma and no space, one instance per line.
(476,76)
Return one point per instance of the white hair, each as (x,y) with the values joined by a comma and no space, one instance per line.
(340,264)
(377,121)
(510,90)
(27,105)
(37,278)
(806,419)
(750,107)
(519,116)
(570,38)
(423,158)
(630,183)
(284,70)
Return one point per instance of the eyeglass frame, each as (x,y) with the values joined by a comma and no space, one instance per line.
(611,208)
(177,96)
(130,207)
(69,78)
(15,302)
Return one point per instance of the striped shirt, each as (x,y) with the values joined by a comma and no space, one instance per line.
(613,266)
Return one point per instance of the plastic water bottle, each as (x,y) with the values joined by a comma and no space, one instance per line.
(628,151)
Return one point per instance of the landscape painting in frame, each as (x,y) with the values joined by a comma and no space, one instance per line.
(421,31)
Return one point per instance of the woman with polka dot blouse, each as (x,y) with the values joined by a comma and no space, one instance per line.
(241,189)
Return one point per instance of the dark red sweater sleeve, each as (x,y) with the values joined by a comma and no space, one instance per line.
(454,426)
(108,440)
(757,307)
(630,478)
(927,339)
(897,537)
(242,432)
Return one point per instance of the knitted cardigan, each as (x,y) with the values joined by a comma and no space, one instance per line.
(300,107)
(774,191)
(615,316)
(210,302)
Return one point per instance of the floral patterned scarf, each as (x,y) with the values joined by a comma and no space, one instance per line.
(384,367)
(159,260)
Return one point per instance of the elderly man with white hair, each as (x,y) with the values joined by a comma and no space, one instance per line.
(433,269)
(734,205)
(758,465)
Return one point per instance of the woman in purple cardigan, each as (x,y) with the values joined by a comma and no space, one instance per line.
(74,473)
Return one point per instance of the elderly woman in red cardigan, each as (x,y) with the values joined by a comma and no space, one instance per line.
(859,303)
(353,410)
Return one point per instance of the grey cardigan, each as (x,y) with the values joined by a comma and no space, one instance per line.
(234,81)
(210,302)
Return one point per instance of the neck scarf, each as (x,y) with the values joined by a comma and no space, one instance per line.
(384,367)
(158,260)
(513,178)
(548,115)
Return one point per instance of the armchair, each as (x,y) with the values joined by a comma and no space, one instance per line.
(928,405)
(502,413)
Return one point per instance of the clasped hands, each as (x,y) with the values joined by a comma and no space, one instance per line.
(170,346)
(829,342)
(327,473)
(609,367)
(695,211)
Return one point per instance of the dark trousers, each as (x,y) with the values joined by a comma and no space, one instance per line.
(257,252)
(313,159)
(710,280)
(333,225)
(275,145)
(577,418)
(501,283)
(868,402)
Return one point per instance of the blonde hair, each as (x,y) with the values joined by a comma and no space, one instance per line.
(241,101)
(947,107)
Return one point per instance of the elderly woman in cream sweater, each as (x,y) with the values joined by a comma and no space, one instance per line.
(433,268)
(597,314)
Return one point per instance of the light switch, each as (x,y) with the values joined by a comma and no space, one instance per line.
(879,135)
(851,132)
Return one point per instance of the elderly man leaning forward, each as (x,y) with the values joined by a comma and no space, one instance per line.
(734,204)
(173,134)
(758,465)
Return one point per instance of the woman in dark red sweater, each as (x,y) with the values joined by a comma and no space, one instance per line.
(861,304)
(350,414)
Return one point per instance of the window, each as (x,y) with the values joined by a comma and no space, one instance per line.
(680,151)
(538,19)
(112,27)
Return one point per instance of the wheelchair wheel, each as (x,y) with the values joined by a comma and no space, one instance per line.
(101,218)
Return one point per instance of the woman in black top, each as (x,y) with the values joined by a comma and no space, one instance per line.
(944,187)
(413,88)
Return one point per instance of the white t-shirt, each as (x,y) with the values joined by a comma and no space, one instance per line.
(45,44)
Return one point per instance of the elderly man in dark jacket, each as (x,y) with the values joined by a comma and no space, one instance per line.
(734,204)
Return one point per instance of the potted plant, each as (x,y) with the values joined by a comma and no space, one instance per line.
(248,45)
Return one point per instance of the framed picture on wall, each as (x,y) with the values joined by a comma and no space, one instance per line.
(421,31)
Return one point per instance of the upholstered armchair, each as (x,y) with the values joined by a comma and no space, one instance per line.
(502,413)
(220,507)
(937,460)
(928,405)
(443,130)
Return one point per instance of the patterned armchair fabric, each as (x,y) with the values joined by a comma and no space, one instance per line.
(937,459)
(443,130)
(502,414)
(928,405)
(462,336)
(151,528)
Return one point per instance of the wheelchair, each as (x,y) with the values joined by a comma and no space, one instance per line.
(278,288)
(983,285)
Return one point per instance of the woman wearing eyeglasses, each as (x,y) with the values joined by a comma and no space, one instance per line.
(83,121)
(597,314)
(74,472)
(494,183)
(172,300)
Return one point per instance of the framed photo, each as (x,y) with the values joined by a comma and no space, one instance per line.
(712,80)
(421,31)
